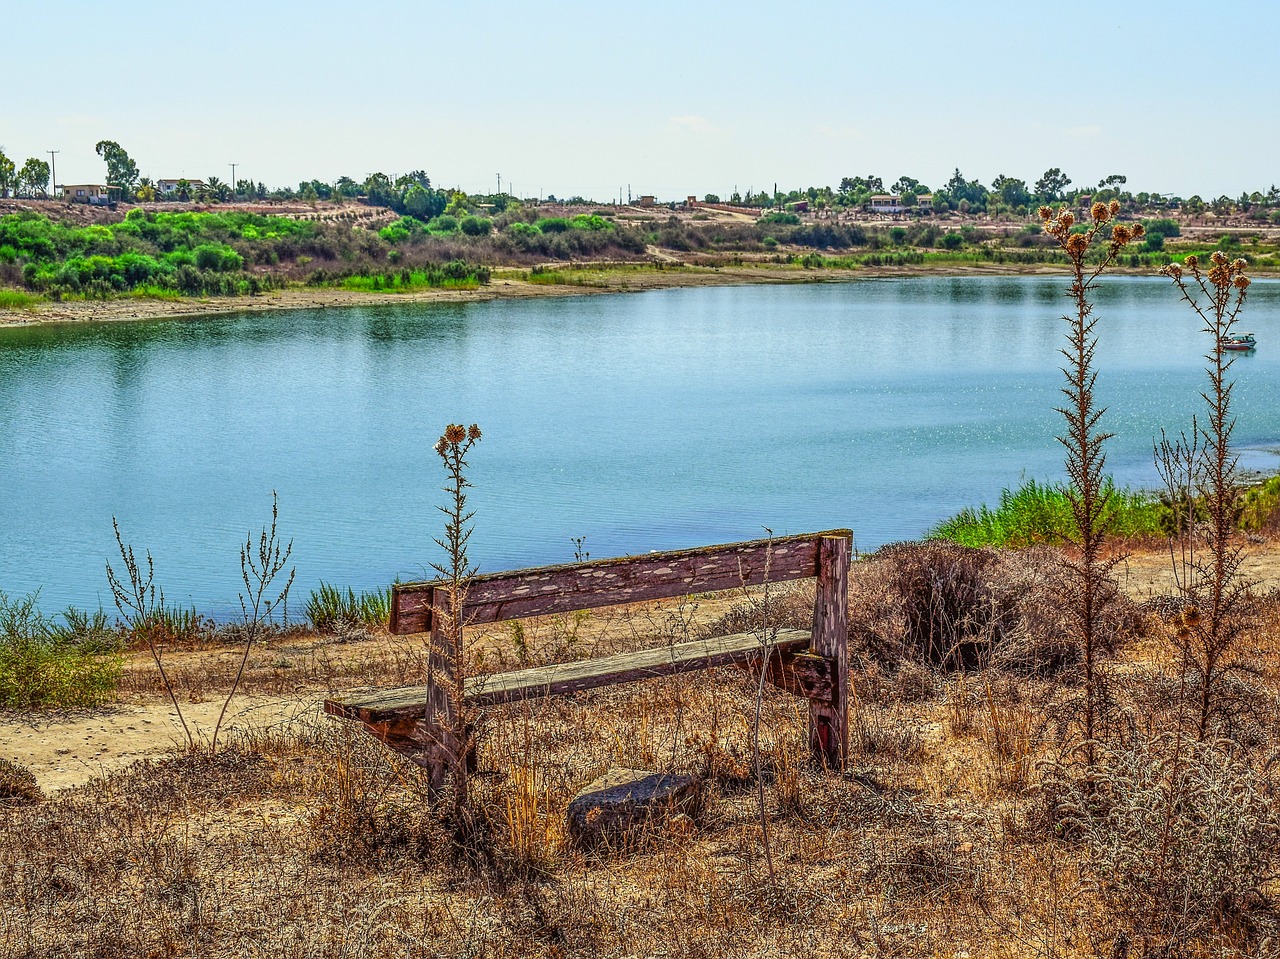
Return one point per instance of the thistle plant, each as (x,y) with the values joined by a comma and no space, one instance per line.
(446,664)
(1087,492)
(1209,628)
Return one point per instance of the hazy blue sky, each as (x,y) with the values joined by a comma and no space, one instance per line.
(669,97)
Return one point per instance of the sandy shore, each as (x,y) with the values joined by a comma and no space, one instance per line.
(591,281)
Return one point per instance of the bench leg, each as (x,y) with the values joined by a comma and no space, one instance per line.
(829,720)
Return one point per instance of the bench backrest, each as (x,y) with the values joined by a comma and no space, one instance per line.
(546,590)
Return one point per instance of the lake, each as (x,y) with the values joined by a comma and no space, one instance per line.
(642,421)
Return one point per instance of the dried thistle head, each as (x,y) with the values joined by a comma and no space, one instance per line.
(1113,207)
(1099,212)
(1241,282)
(1045,213)
(1173,270)
(473,432)
(1068,219)
(1077,244)
(1218,258)
(1192,261)
(1138,231)
(1121,234)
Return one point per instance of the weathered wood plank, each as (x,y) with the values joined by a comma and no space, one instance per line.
(829,721)
(610,582)
(803,674)
(391,705)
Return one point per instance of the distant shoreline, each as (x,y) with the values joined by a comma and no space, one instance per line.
(507,284)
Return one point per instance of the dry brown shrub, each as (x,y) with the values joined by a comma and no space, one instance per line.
(956,607)
(18,786)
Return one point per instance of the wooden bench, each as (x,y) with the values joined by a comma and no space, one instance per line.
(808,663)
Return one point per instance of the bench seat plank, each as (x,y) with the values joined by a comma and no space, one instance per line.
(407,702)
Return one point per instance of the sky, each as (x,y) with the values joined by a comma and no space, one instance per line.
(663,98)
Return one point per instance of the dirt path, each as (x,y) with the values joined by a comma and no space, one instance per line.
(69,749)
(1144,575)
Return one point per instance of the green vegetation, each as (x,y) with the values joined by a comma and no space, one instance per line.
(44,665)
(1041,513)
(1038,513)
(330,610)
(171,254)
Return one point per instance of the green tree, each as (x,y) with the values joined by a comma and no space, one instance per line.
(1013,192)
(121,170)
(1051,187)
(8,175)
(33,178)
(904,185)
(711,198)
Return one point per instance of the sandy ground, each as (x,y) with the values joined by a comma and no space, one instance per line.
(68,749)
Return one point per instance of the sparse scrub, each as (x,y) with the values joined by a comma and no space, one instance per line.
(18,786)
(1179,838)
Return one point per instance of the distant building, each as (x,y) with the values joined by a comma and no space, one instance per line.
(798,206)
(94,193)
(169,187)
(884,203)
(691,202)
(648,201)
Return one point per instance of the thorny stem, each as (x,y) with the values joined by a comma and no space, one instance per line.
(1223,289)
(1085,458)
(447,664)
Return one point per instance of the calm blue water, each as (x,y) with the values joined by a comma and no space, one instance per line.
(643,421)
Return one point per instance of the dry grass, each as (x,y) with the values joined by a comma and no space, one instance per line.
(950,833)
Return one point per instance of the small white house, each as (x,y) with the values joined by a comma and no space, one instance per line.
(169,187)
(85,192)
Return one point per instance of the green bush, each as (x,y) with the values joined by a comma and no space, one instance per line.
(475,226)
(44,667)
(952,241)
(444,223)
(330,610)
(1041,513)
(782,219)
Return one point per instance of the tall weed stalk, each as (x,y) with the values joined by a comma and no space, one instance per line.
(138,601)
(447,664)
(1090,251)
(1200,469)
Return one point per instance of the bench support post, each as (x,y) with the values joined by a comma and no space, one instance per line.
(829,720)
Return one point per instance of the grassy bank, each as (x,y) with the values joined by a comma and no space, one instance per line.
(1040,513)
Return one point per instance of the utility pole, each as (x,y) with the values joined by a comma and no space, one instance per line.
(233,179)
(53,162)
(499,184)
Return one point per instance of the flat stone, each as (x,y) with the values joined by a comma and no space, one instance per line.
(623,801)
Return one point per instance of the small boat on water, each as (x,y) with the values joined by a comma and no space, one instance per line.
(1239,341)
